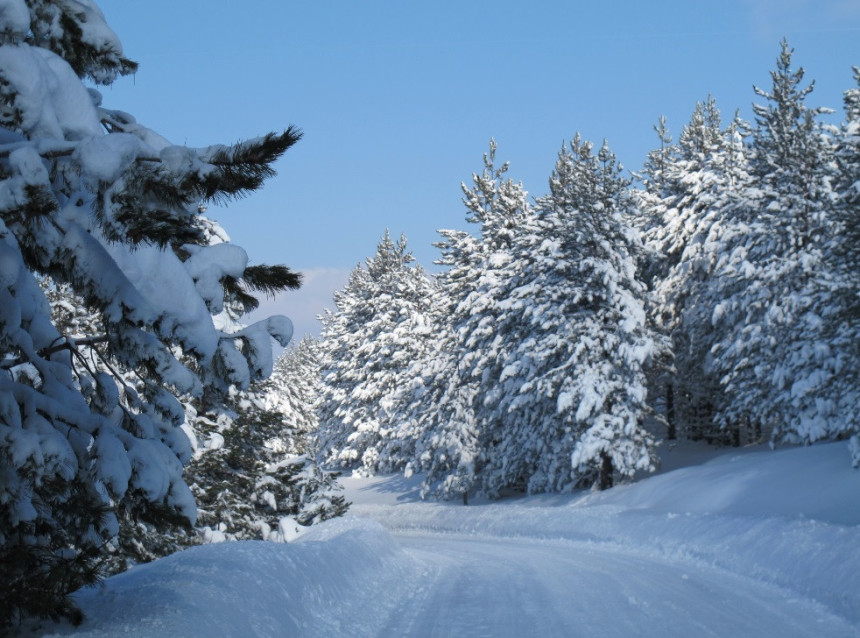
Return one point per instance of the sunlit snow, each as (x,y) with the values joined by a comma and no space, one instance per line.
(752,543)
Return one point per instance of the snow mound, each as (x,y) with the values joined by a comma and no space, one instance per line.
(339,579)
(815,482)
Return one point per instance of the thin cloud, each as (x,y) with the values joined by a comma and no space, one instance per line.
(773,19)
(303,306)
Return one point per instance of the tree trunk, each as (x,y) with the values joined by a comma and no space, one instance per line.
(604,482)
(672,431)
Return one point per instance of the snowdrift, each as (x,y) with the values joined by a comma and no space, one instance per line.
(789,518)
(328,584)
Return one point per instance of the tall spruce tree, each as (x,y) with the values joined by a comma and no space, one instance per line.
(253,477)
(843,251)
(368,343)
(774,288)
(438,410)
(590,339)
(294,389)
(538,381)
(109,208)
(705,176)
(655,186)
(465,442)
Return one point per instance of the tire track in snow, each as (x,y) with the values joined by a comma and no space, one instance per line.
(520,587)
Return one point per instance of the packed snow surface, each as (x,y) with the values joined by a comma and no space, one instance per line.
(751,543)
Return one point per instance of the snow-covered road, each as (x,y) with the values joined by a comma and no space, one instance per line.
(753,543)
(525,587)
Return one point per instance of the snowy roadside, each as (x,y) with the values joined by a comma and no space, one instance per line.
(342,579)
(778,531)
(790,518)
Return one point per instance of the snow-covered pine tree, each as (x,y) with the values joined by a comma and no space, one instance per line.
(139,539)
(653,179)
(704,175)
(253,478)
(579,413)
(380,326)
(657,161)
(106,206)
(844,253)
(773,289)
(466,428)
(533,323)
(438,407)
(684,179)
(651,203)
(294,389)
(651,198)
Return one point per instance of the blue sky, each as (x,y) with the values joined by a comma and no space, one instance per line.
(398,100)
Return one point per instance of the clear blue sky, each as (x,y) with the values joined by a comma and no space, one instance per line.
(398,100)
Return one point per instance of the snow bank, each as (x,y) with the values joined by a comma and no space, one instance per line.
(814,482)
(340,579)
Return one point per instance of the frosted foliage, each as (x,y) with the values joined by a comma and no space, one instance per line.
(449,407)
(208,265)
(776,295)
(750,232)
(258,343)
(252,473)
(704,175)
(94,353)
(378,330)
(537,372)
(76,30)
(170,293)
(14,17)
(294,387)
(49,98)
(104,158)
(843,250)
(588,342)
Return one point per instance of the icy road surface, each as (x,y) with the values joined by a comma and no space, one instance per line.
(522,587)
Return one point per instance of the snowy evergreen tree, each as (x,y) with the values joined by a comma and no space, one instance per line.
(658,160)
(685,178)
(653,179)
(438,406)
(774,359)
(109,208)
(140,538)
(537,383)
(844,253)
(477,336)
(582,407)
(252,476)
(294,389)
(368,343)
(705,176)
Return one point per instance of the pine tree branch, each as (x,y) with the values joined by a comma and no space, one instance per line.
(271,279)
(237,294)
(45,353)
(243,167)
